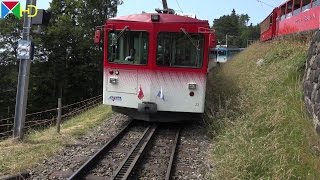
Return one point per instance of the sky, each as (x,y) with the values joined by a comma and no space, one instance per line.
(204,9)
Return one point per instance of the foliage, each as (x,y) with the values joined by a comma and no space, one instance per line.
(9,35)
(258,118)
(67,64)
(234,27)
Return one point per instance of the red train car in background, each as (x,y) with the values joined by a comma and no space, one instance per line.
(291,17)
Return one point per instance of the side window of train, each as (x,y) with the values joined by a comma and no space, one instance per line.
(306,5)
(289,9)
(296,7)
(128,47)
(315,3)
(283,12)
(180,50)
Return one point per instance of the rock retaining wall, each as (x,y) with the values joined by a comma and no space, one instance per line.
(311,81)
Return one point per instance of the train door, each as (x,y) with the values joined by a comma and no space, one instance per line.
(179,81)
(125,50)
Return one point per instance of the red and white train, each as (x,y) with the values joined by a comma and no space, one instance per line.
(291,17)
(155,65)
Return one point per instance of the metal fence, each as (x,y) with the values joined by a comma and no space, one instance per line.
(48,117)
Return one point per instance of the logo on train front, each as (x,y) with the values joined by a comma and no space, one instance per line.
(14,7)
(115,98)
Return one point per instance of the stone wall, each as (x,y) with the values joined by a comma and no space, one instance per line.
(311,81)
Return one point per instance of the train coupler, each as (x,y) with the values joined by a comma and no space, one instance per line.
(147,107)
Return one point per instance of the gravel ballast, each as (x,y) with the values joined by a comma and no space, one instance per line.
(192,160)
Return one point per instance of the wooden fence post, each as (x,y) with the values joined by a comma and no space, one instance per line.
(59,115)
(8,121)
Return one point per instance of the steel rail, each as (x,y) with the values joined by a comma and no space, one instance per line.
(127,166)
(173,153)
(87,166)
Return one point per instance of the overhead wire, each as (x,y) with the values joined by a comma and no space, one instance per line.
(179,6)
(262,2)
(263,7)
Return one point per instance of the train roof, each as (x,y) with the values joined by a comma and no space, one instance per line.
(164,18)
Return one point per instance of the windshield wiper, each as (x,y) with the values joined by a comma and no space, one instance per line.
(119,35)
(190,38)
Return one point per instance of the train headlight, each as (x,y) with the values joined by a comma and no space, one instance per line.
(155,17)
(192,86)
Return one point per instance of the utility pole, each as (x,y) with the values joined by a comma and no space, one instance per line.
(227,39)
(23,80)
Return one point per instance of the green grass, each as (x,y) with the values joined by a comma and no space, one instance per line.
(258,118)
(21,156)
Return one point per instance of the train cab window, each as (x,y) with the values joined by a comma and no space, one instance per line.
(222,52)
(180,49)
(306,5)
(128,47)
(266,24)
(296,7)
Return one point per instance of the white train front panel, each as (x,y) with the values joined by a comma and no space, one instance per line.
(170,91)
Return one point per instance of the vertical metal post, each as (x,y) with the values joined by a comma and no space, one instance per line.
(59,115)
(8,111)
(165,4)
(23,81)
(226,40)
(8,121)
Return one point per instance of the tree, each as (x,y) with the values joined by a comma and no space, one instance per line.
(74,64)
(67,63)
(9,36)
(236,28)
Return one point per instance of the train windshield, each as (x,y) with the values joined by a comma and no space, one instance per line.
(180,50)
(128,47)
(222,52)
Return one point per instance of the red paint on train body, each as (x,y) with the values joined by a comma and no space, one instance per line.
(291,17)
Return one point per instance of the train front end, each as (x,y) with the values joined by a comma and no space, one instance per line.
(155,66)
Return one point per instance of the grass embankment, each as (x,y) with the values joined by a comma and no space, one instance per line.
(21,156)
(258,118)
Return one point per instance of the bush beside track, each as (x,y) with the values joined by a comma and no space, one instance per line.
(256,114)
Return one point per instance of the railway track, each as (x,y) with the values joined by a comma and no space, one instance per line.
(136,158)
